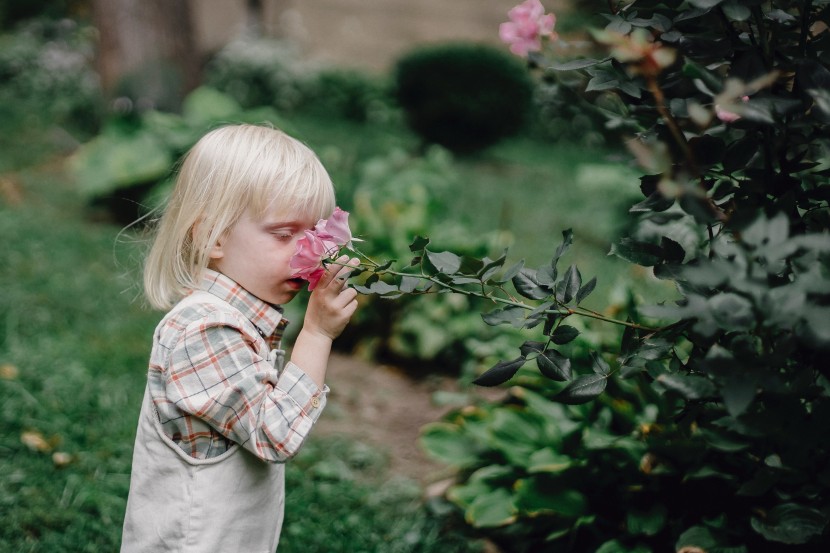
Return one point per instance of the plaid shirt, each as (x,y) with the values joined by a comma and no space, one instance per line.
(214,382)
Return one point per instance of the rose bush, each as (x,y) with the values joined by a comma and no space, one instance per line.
(705,428)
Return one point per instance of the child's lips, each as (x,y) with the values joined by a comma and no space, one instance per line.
(296,283)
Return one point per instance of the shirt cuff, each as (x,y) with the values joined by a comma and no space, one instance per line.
(300,387)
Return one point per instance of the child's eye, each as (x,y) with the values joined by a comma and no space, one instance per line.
(284,235)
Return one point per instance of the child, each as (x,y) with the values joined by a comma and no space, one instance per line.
(222,412)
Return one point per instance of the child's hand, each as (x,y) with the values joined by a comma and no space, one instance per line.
(332,303)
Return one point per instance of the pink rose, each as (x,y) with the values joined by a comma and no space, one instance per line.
(319,244)
(335,228)
(308,259)
(528,24)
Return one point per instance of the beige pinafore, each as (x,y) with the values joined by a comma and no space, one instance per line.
(230,503)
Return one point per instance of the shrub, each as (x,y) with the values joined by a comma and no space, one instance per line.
(708,423)
(464,97)
(348,94)
(259,72)
(47,78)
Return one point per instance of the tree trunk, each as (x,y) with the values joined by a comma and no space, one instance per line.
(147,51)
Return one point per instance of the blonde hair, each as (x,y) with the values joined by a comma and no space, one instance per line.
(230,170)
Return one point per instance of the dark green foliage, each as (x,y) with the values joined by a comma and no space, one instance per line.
(463,96)
(711,432)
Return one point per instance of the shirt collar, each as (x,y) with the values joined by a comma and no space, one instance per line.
(266,317)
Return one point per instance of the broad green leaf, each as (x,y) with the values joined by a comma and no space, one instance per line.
(450,444)
(500,373)
(536,495)
(115,160)
(736,11)
(705,4)
(526,285)
(696,537)
(582,389)
(568,287)
(446,262)
(517,434)
(206,105)
(492,510)
(646,522)
(549,461)
(790,523)
(554,365)
(614,546)
(564,334)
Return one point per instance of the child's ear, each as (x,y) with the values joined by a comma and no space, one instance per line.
(216,251)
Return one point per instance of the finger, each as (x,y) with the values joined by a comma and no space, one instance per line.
(346,270)
(332,271)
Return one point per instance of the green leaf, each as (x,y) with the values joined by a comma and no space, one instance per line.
(512,271)
(688,386)
(536,496)
(586,290)
(490,267)
(378,287)
(450,444)
(206,105)
(640,253)
(737,392)
(696,537)
(554,365)
(446,262)
(526,285)
(648,522)
(582,389)
(599,365)
(418,244)
(409,284)
(564,334)
(732,312)
(506,315)
(115,160)
(531,347)
(500,373)
(491,510)
(790,523)
(575,64)
(705,4)
(567,240)
(549,461)
(569,285)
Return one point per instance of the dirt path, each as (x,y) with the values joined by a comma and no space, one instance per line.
(383,407)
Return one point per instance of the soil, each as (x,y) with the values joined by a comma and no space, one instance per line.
(385,408)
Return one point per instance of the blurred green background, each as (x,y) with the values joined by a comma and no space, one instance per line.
(89,134)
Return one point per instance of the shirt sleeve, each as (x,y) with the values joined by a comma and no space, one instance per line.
(217,375)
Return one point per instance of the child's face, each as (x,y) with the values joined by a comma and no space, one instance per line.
(256,254)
